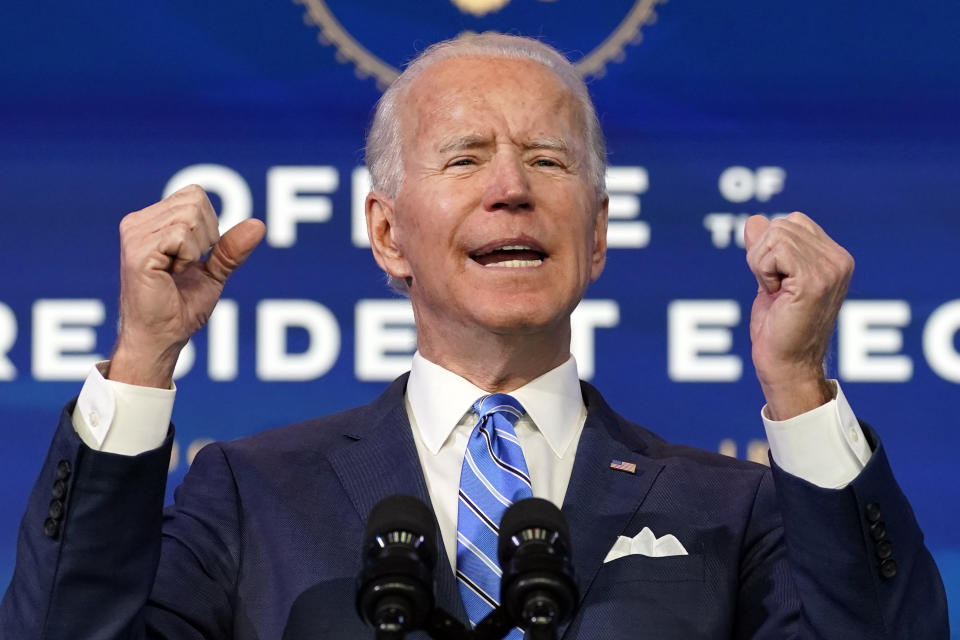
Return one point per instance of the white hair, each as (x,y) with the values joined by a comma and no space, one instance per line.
(384,155)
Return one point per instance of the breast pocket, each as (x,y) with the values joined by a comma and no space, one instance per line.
(640,597)
(644,568)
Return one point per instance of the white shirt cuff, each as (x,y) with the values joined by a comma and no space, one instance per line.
(116,417)
(824,446)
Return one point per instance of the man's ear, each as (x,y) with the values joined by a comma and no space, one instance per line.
(382,232)
(600,239)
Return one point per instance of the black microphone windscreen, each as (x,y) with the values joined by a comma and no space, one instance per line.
(401,513)
(528,514)
(395,585)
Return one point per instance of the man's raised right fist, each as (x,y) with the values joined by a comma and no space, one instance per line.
(167,289)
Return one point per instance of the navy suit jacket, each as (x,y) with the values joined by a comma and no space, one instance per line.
(263,540)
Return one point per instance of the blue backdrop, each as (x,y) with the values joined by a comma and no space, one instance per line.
(713,110)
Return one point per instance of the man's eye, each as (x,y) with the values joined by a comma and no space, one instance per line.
(546,162)
(462,162)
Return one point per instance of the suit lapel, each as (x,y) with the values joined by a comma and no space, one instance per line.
(600,501)
(380,459)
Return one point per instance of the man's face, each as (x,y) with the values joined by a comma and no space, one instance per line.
(496,223)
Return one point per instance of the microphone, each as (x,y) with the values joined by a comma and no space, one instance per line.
(537,589)
(395,585)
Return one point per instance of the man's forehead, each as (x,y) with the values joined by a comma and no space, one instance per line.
(445,99)
(458,66)
(471,78)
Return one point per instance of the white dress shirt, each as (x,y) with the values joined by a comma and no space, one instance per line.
(824,446)
(442,422)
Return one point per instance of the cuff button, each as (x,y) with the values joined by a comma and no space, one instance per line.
(888,568)
(59,489)
(51,528)
(56,509)
(884,549)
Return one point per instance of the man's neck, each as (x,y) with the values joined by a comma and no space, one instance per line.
(497,363)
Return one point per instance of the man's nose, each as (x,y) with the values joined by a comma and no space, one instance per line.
(508,187)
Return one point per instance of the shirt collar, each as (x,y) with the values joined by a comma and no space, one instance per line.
(439,399)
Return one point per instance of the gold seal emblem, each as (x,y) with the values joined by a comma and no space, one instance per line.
(479,8)
(610,44)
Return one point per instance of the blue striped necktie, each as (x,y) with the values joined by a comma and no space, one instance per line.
(494,476)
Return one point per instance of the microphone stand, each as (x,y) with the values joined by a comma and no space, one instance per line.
(496,625)
(443,626)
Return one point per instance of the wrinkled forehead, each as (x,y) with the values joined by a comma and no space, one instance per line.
(450,93)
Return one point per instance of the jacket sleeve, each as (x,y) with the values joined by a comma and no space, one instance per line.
(98,557)
(89,542)
(857,557)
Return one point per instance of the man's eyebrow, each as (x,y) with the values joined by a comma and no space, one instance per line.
(463,142)
(552,144)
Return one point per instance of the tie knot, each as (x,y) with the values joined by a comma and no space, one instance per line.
(499,404)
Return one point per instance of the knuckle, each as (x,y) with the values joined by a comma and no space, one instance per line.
(130,223)
(776,236)
(848,262)
(182,209)
(187,213)
(777,225)
(178,232)
(841,260)
(187,194)
(193,190)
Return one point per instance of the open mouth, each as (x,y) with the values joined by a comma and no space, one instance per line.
(510,256)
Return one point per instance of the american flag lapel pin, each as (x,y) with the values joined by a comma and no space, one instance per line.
(620,465)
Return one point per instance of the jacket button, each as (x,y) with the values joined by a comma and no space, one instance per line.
(63,470)
(888,568)
(873,512)
(59,489)
(51,528)
(884,549)
(56,509)
(878,530)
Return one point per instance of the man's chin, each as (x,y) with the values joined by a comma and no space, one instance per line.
(507,310)
(516,317)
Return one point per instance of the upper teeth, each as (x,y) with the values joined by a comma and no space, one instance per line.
(514,263)
(509,247)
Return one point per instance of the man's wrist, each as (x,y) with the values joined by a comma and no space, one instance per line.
(141,368)
(791,398)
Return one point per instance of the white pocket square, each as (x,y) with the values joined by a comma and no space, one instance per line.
(646,544)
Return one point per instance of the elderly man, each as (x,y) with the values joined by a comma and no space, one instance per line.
(489,210)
